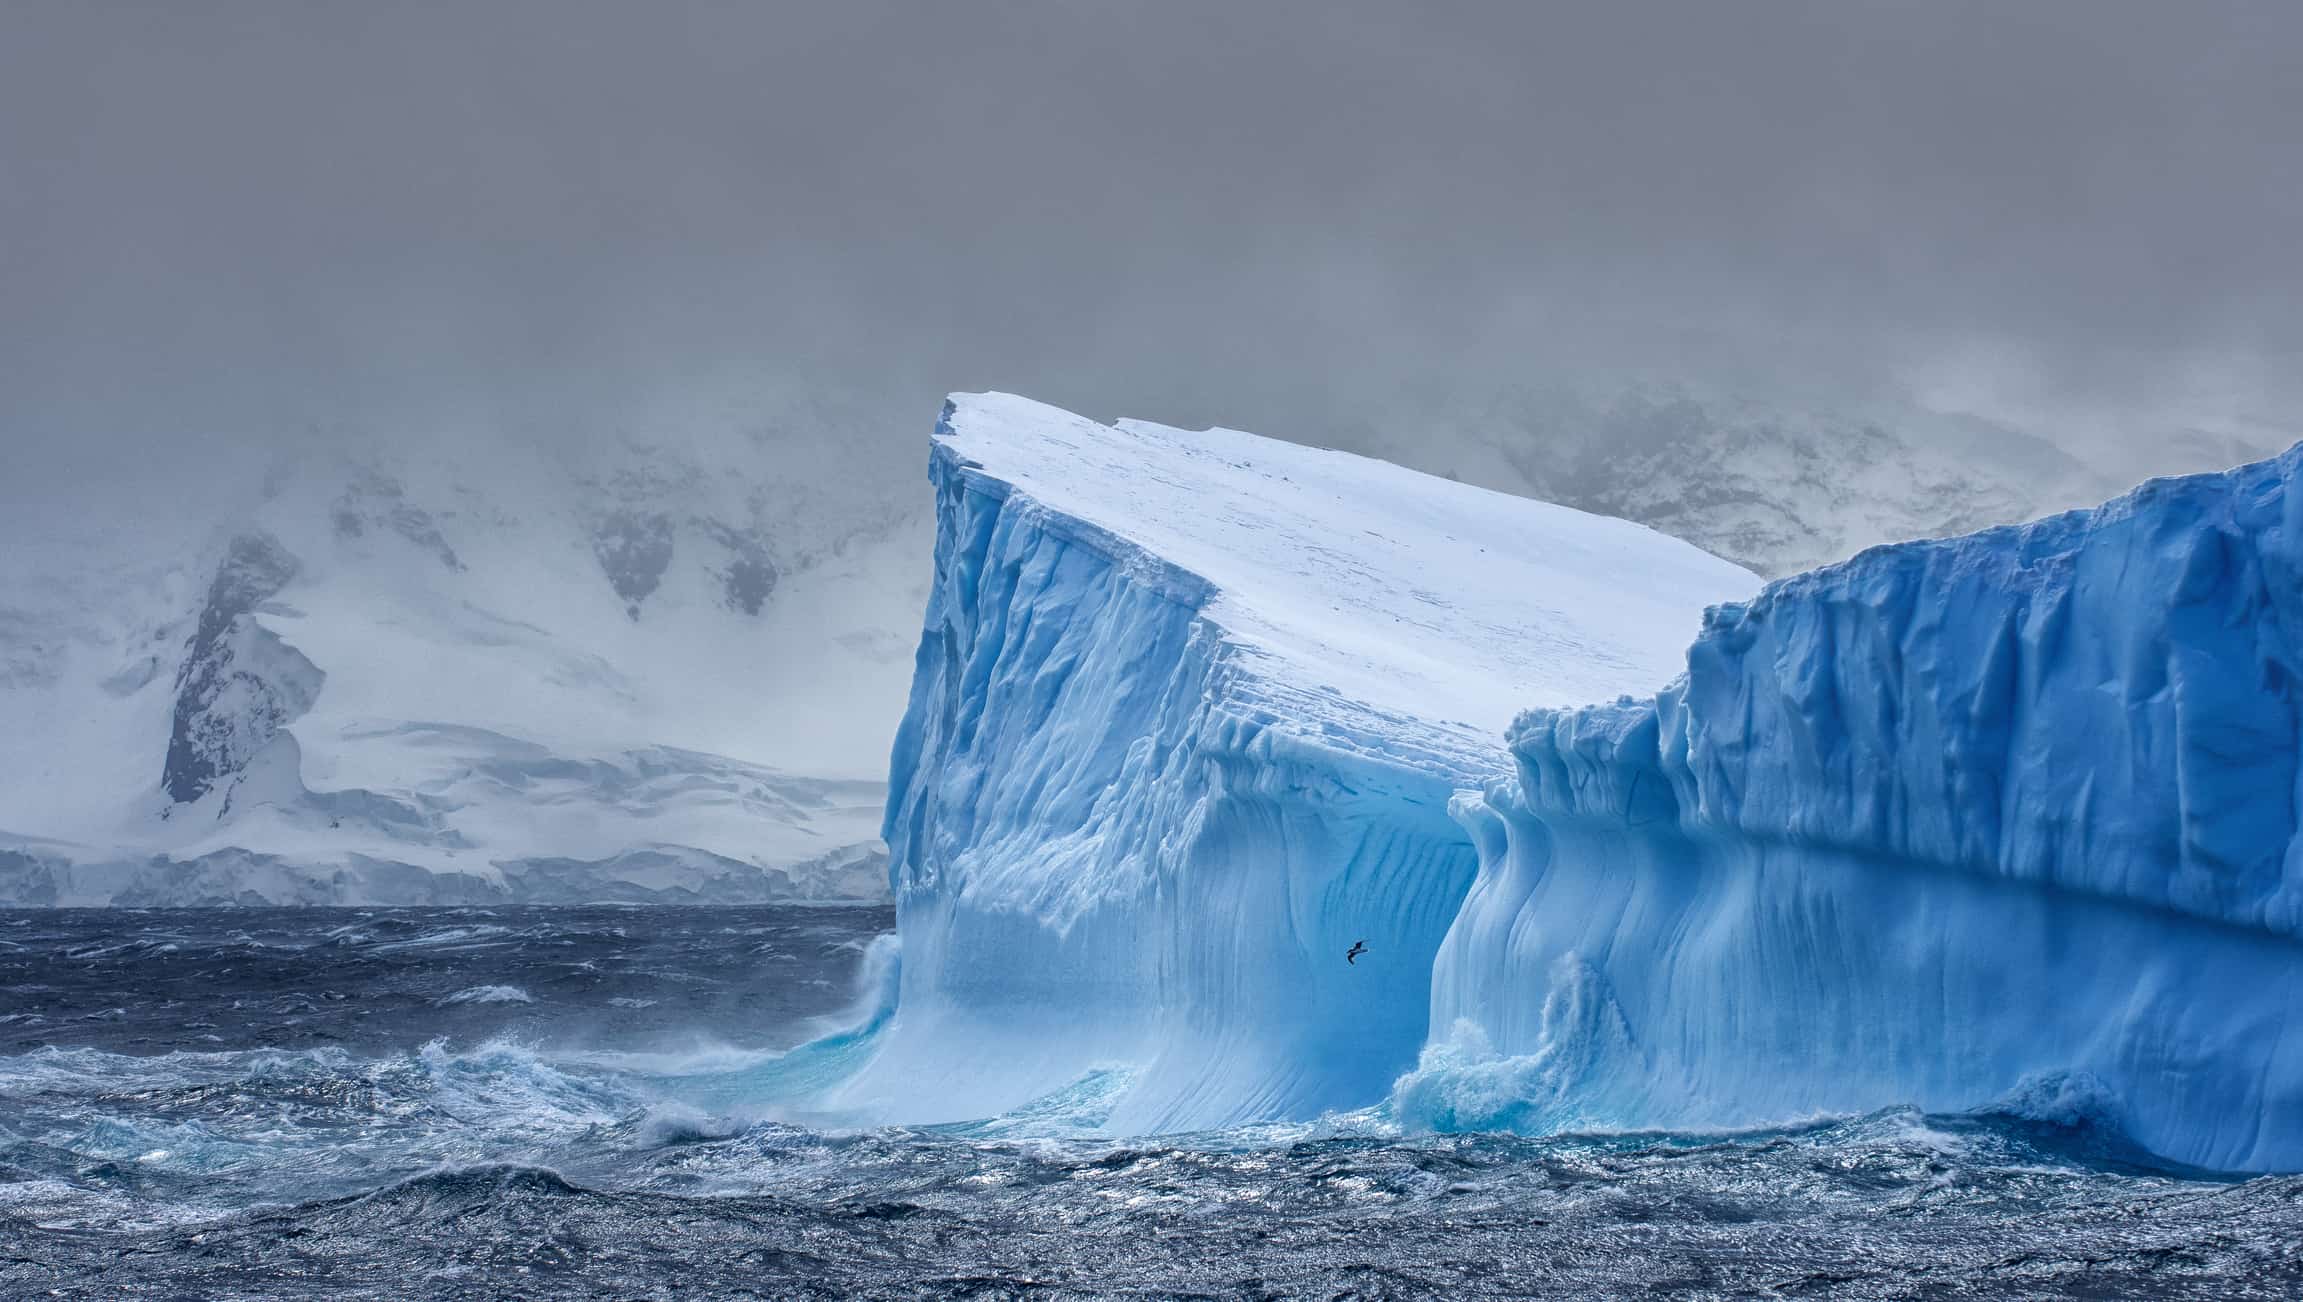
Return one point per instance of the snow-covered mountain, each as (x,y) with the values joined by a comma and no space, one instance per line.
(626,672)
(1774,487)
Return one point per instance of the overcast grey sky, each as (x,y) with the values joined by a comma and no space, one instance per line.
(230,222)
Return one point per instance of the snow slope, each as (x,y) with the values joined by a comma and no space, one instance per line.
(1186,717)
(2008,814)
(478,673)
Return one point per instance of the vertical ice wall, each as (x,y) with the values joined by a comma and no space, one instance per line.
(2010,812)
(1187,714)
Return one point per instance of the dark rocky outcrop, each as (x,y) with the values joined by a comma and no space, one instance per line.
(238,683)
(634,549)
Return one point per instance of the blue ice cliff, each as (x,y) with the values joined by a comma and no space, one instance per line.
(1186,719)
(2005,820)
(2013,814)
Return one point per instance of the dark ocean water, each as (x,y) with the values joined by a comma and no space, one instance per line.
(580,1102)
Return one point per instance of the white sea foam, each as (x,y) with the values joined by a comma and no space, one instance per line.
(488,995)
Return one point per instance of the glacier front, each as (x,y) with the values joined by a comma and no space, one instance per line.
(2010,816)
(1186,718)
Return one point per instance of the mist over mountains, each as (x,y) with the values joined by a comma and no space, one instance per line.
(670,669)
(648,674)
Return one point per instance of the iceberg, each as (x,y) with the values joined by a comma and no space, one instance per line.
(1960,823)
(2003,822)
(1988,823)
(1187,716)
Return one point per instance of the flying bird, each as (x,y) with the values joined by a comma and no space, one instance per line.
(1351,956)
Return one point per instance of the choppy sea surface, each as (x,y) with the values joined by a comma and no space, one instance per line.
(586,1102)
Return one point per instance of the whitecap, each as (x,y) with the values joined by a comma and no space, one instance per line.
(487,995)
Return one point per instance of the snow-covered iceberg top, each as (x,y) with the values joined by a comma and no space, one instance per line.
(1377,599)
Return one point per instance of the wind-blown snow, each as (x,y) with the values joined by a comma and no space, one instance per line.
(1185,719)
(1935,826)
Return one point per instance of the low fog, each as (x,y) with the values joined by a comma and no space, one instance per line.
(227,228)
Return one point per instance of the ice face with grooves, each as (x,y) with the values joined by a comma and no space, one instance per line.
(1186,717)
(1939,823)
